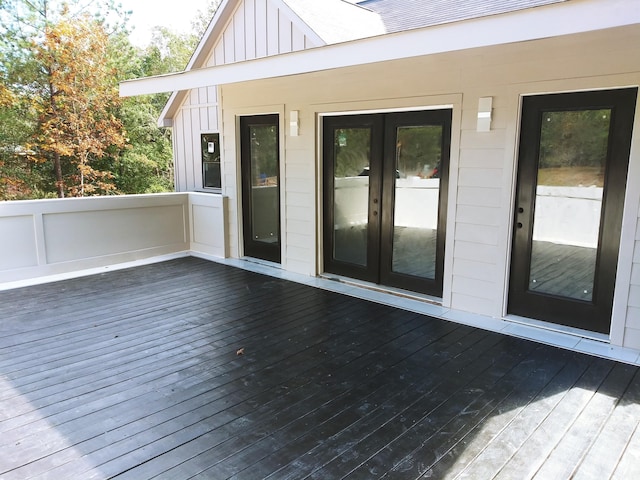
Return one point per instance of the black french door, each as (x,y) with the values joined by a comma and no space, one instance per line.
(385,197)
(572,172)
(260,171)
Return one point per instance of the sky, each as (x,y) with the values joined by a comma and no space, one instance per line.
(147,14)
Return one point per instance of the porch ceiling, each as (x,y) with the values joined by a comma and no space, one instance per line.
(190,368)
(575,16)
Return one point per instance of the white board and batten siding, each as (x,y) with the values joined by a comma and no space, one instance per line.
(256,29)
(483,165)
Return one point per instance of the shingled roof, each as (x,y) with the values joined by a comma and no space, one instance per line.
(400,15)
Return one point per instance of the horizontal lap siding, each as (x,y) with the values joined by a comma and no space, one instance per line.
(483,164)
(477,282)
(299,228)
(632,331)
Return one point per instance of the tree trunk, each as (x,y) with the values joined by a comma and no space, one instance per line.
(57,166)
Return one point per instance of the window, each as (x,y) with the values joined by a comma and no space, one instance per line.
(210,146)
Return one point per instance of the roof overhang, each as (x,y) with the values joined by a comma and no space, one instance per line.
(575,16)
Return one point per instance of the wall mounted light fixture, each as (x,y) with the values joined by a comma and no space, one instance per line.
(484,114)
(294,116)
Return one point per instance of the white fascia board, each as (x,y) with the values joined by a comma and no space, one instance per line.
(566,18)
(166,116)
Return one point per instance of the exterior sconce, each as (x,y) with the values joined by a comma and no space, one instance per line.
(484,114)
(293,123)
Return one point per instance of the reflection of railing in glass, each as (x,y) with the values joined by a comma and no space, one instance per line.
(352,154)
(264,179)
(415,217)
(568,204)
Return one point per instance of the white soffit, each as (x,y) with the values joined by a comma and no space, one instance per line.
(575,16)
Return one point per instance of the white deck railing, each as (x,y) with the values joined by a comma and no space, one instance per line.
(39,238)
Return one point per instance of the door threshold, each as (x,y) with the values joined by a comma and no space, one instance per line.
(576,332)
(260,261)
(398,292)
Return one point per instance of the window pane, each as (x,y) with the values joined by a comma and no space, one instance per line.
(210,148)
(417,189)
(352,153)
(212,177)
(264,183)
(568,203)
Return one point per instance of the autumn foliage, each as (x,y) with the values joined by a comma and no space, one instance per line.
(64,131)
(77,122)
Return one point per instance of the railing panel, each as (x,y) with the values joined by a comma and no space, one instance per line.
(39,238)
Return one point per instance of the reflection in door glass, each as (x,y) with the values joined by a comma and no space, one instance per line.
(417,188)
(568,204)
(352,154)
(264,183)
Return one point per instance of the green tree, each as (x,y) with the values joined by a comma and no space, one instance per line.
(61,130)
(203,18)
(49,50)
(77,121)
(574,138)
(147,165)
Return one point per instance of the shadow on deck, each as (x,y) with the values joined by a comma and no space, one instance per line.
(189,368)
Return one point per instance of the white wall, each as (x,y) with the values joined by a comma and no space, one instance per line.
(256,29)
(50,237)
(483,164)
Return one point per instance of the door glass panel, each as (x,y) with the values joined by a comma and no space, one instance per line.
(352,154)
(264,183)
(417,187)
(568,203)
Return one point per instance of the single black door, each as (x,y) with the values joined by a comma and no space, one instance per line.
(572,171)
(385,190)
(260,159)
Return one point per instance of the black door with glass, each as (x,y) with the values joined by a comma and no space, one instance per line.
(385,191)
(259,162)
(572,172)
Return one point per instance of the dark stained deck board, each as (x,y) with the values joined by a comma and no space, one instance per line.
(472,396)
(619,415)
(69,384)
(298,423)
(109,411)
(133,374)
(232,428)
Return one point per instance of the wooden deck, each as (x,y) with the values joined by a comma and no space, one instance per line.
(189,369)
